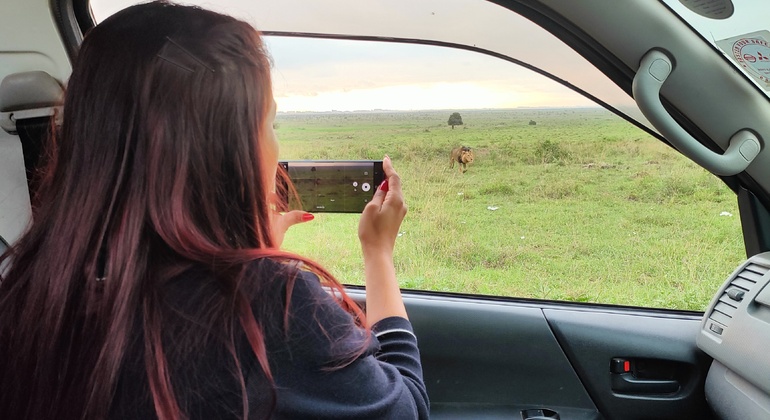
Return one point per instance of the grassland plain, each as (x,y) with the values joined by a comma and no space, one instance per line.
(588,207)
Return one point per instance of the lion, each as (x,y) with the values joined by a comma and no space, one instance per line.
(462,155)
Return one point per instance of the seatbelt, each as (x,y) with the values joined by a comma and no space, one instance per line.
(34,134)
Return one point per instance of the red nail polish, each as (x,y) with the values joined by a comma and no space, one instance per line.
(384,186)
(307,217)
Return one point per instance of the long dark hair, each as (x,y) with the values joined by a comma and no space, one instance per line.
(158,166)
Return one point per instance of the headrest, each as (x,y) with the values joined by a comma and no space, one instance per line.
(31,94)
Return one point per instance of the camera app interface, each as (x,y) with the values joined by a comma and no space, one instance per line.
(333,186)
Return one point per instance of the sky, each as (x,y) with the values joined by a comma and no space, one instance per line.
(344,75)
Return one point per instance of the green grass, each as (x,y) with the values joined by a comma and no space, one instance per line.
(589,208)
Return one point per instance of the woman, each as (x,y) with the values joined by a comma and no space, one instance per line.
(151,283)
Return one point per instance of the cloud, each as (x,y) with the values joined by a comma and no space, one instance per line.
(348,74)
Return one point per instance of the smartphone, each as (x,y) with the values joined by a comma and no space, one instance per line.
(334,186)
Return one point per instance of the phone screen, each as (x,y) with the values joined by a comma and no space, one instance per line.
(335,186)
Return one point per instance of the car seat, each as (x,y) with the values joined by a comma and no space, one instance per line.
(28,101)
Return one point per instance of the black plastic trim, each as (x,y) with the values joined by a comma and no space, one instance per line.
(540,303)
(65,16)
(755,222)
(83,15)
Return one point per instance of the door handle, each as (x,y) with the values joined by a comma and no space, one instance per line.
(644,376)
(627,383)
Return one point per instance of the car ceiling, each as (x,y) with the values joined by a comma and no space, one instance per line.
(27,44)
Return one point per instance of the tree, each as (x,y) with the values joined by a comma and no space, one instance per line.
(455,119)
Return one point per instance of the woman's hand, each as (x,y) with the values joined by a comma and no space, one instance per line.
(282,223)
(382,217)
(377,231)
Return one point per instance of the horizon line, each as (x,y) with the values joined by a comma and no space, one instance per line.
(521,108)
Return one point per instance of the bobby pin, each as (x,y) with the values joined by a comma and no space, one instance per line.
(175,54)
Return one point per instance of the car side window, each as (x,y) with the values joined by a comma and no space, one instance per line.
(564,200)
(516,185)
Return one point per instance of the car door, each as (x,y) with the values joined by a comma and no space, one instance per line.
(530,312)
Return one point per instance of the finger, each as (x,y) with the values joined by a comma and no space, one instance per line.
(394,180)
(379,194)
(299,216)
(387,166)
(383,186)
(394,184)
(294,217)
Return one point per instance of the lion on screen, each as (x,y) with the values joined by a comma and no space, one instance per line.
(462,155)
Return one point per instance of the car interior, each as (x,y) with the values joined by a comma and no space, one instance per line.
(496,357)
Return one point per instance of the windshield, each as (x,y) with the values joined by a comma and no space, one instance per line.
(736,29)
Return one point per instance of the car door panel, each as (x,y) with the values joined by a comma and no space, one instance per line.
(664,343)
(493,358)
(486,359)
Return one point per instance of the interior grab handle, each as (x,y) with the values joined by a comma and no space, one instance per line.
(744,145)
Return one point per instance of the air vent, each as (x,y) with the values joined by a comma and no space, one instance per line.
(739,287)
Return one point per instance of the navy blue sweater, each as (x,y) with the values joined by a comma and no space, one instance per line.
(314,374)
